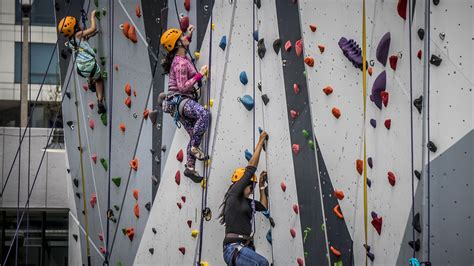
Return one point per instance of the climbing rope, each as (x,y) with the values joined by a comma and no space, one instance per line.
(253,113)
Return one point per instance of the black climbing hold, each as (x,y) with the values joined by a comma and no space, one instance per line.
(261,50)
(116,207)
(371,256)
(69,124)
(153,230)
(265,99)
(163,148)
(207,214)
(148,206)
(259,86)
(76,182)
(417,174)
(435,2)
(64,54)
(151,250)
(421,34)
(152,151)
(75,237)
(272,222)
(415,244)
(277,45)
(68,170)
(154,180)
(68,94)
(418,103)
(83,212)
(78,195)
(258,3)
(435,60)
(370,162)
(416,222)
(431,146)
(369,182)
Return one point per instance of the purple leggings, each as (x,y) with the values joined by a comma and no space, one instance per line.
(195,120)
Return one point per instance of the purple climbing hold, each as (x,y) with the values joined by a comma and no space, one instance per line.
(352,51)
(369,182)
(378,86)
(369,162)
(373,123)
(382,49)
(374,215)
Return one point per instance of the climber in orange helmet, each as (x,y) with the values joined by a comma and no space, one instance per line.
(86,63)
(238,211)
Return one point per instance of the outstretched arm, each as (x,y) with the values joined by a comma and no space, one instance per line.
(256,155)
(89,32)
(262,185)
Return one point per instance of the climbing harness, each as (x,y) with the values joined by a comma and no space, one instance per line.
(174,105)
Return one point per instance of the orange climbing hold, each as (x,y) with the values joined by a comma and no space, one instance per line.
(145,114)
(360,166)
(125,29)
(309,61)
(299,47)
(122,126)
(334,251)
(391,178)
(128,89)
(283,186)
(296,88)
(182,250)
(136,210)
(337,211)
(313,27)
(132,34)
(180,156)
(321,48)
(138,12)
(130,232)
(328,90)
(94,158)
(134,164)
(296,208)
(135,193)
(336,112)
(91,123)
(295,148)
(177,177)
(128,101)
(370,70)
(293,232)
(339,194)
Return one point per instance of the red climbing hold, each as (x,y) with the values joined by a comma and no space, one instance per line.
(94,158)
(130,232)
(313,27)
(384,96)
(132,34)
(296,88)
(295,148)
(321,48)
(388,123)
(85,87)
(134,164)
(180,156)
(300,261)
(125,29)
(360,166)
(299,47)
(184,23)
(138,12)
(135,193)
(182,250)
(334,251)
(296,208)
(283,186)
(136,210)
(101,236)
(93,200)
(183,198)
(91,123)
(190,223)
(328,90)
(128,89)
(419,54)
(309,61)
(393,62)
(128,101)
(102,250)
(179,205)
(293,232)
(402,9)
(293,114)
(187,5)
(370,70)
(337,211)
(336,112)
(122,126)
(116,66)
(288,46)
(377,223)
(391,178)
(145,114)
(91,105)
(177,177)
(339,194)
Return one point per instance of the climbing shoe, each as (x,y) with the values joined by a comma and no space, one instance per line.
(196,152)
(100,107)
(193,175)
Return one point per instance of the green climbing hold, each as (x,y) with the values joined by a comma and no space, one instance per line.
(124,231)
(117,180)
(96,3)
(323,227)
(305,133)
(102,60)
(305,254)
(311,144)
(103,118)
(104,12)
(338,263)
(104,164)
(98,15)
(104,75)
(95,50)
(306,233)
(304,73)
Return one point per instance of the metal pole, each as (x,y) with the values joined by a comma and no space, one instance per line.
(25,67)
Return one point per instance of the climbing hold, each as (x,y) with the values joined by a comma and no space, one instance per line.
(337,211)
(94,158)
(384,96)
(248,155)
(369,162)
(145,114)
(402,9)
(128,101)
(261,50)
(296,88)
(135,193)
(391,178)
(334,251)
(321,48)
(103,118)
(116,67)
(377,224)
(68,94)
(255,35)
(247,101)
(153,229)
(339,194)
(151,250)
(309,61)
(179,205)
(283,186)
(368,253)
(91,105)
(435,60)
(70,124)
(288,46)
(258,3)
(300,261)
(415,244)
(138,12)
(388,123)
(102,250)
(373,123)
(184,23)
(328,90)
(197,55)
(415,262)
(265,99)
(359,166)
(93,200)
(277,45)
(435,2)
(122,126)
(299,47)
(313,27)
(296,208)
(293,114)
(134,164)
(269,236)
(104,163)
(378,86)
(370,70)
(194,233)
(180,155)
(295,148)
(431,146)
(418,103)
(148,206)
(177,177)
(183,198)
(76,182)
(243,78)
(78,195)
(419,54)
(130,232)
(132,34)
(136,210)
(421,33)
(369,183)
(91,123)
(187,5)
(85,87)
(417,174)
(336,112)
(352,51)
(223,43)
(305,133)
(393,62)
(128,89)
(117,180)
(311,144)
(116,207)
(293,232)
(182,250)
(382,49)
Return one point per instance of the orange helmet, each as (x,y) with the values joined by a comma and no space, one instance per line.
(169,38)
(67,26)
(239,173)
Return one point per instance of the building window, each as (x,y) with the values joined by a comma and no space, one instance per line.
(42,13)
(40,53)
(43,116)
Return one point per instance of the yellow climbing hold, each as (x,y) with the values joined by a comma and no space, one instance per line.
(197,55)
(203,183)
(194,233)
(205,106)
(211,102)
(204,263)
(213,26)
(208,162)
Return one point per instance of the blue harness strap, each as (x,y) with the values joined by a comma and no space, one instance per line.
(175,102)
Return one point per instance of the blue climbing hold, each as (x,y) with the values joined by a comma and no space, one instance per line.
(369,182)
(260,130)
(243,78)
(248,155)
(255,35)
(414,262)
(247,101)
(269,236)
(373,123)
(223,42)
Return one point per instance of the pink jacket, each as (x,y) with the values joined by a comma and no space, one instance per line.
(183,76)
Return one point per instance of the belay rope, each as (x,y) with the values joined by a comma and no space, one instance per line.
(364,96)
